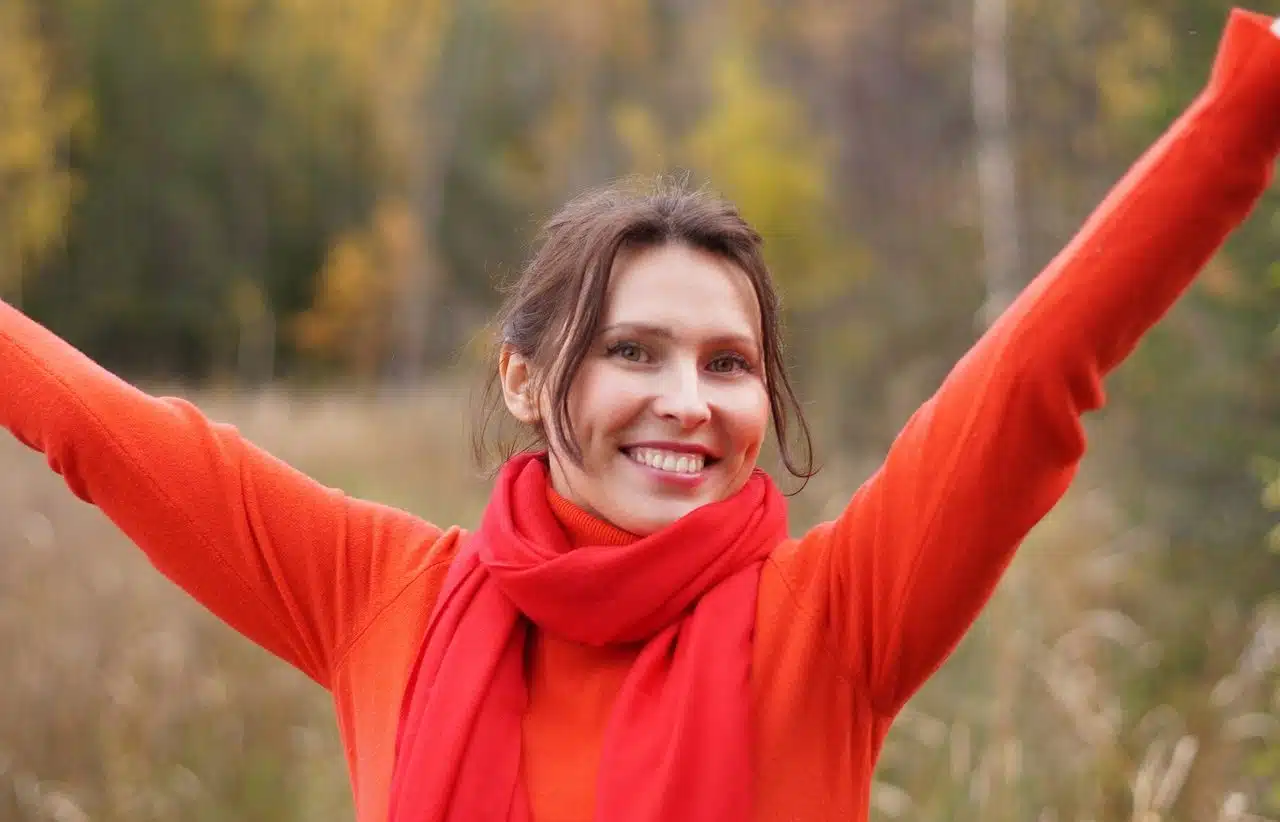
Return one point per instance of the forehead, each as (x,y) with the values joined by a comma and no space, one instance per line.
(682,289)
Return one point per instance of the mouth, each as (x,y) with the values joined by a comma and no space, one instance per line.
(678,462)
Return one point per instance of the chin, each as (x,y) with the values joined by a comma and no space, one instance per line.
(654,517)
(644,513)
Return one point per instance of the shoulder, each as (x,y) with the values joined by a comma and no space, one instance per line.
(399,619)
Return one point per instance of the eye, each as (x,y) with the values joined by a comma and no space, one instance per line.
(729,364)
(629,351)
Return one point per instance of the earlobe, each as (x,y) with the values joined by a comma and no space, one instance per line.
(517,386)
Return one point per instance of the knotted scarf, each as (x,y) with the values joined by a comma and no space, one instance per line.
(677,745)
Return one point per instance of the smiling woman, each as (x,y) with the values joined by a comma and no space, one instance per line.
(660,403)
(631,634)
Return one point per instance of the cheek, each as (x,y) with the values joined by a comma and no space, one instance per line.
(746,414)
(602,400)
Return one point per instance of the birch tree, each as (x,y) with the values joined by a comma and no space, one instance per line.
(996,160)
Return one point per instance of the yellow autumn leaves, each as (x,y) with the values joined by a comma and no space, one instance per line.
(36,120)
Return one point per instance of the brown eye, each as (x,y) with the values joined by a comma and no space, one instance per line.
(728,364)
(628,351)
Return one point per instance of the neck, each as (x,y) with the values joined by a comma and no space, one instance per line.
(582,527)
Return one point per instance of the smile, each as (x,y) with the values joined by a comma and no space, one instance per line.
(674,462)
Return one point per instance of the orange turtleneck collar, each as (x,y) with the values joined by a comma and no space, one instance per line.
(584,528)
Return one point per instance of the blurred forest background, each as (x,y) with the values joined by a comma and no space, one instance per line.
(295,212)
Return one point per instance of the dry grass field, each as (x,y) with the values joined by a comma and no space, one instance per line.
(121,700)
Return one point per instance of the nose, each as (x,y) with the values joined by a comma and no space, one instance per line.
(680,397)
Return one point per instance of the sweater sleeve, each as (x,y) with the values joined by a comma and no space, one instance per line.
(296,567)
(904,570)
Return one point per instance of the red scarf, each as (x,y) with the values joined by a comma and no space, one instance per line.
(678,745)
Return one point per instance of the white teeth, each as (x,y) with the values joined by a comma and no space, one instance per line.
(675,462)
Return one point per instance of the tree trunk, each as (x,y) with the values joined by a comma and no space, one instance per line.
(996,161)
(997,202)
(430,144)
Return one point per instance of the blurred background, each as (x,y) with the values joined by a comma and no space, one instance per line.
(296,213)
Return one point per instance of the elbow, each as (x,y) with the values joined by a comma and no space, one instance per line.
(1058,392)
(1062,369)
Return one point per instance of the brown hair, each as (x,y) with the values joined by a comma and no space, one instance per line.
(553,309)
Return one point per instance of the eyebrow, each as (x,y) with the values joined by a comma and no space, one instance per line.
(664,333)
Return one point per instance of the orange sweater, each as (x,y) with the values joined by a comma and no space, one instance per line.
(853,616)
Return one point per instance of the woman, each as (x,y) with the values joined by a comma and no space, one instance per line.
(630,634)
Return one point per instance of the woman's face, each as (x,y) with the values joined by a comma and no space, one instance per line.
(670,406)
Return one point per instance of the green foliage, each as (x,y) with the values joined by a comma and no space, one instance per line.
(204,168)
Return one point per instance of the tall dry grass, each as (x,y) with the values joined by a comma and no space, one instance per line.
(122,700)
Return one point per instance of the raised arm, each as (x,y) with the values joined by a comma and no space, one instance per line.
(905,569)
(296,567)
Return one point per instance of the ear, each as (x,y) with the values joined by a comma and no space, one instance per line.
(516,374)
